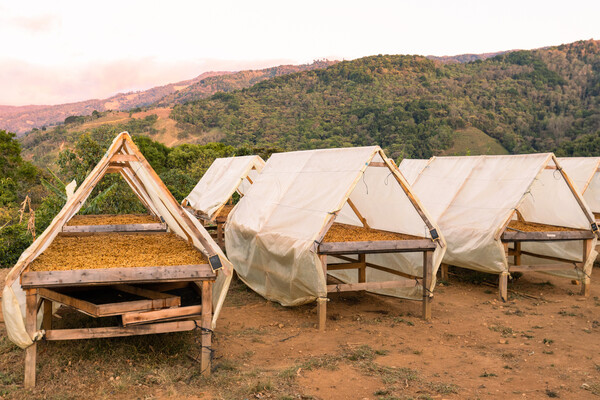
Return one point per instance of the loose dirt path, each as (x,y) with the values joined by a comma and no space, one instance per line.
(375,348)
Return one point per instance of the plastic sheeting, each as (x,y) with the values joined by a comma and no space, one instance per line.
(584,173)
(151,192)
(224,177)
(411,168)
(471,198)
(271,238)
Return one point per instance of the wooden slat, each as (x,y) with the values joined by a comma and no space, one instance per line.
(30,325)
(113,170)
(174,301)
(362,219)
(351,287)
(377,164)
(379,267)
(118,331)
(124,158)
(110,309)
(342,266)
(514,236)
(153,227)
(382,246)
(81,305)
(545,257)
(541,267)
(206,339)
(110,276)
(161,315)
(427,277)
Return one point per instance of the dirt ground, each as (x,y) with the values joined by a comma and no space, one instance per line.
(375,347)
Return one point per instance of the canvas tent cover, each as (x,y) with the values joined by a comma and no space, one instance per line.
(271,238)
(151,191)
(411,168)
(584,173)
(472,197)
(224,177)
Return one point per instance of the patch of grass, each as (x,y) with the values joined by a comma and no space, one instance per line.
(545,284)
(547,341)
(504,330)
(548,352)
(516,312)
(364,352)
(487,375)
(552,394)
(567,314)
(397,320)
(443,388)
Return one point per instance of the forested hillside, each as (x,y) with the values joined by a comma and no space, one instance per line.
(530,101)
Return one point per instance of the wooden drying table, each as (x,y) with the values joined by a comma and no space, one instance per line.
(139,269)
(518,232)
(352,243)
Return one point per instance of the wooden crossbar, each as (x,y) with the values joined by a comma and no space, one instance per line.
(110,276)
(351,287)
(152,227)
(118,331)
(541,267)
(380,246)
(161,315)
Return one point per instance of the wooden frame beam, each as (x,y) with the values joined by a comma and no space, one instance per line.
(110,276)
(515,236)
(165,315)
(362,219)
(351,287)
(541,267)
(152,227)
(371,247)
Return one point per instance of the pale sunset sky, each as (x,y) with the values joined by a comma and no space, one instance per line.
(62,51)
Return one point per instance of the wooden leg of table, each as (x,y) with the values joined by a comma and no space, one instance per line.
(362,271)
(585,282)
(30,325)
(47,321)
(206,360)
(517,253)
(220,236)
(503,286)
(444,272)
(322,312)
(427,274)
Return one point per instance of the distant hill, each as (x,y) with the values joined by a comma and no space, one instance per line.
(515,102)
(22,119)
(526,101)
(464,58)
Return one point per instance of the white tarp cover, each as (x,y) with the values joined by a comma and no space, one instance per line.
(152,193)
(271,238)
(224,177)
(412,167)
(584,173)
(471,197)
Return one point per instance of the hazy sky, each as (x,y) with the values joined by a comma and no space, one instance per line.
(59,51)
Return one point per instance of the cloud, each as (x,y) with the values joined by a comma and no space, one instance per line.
(26,83)
(37,24)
